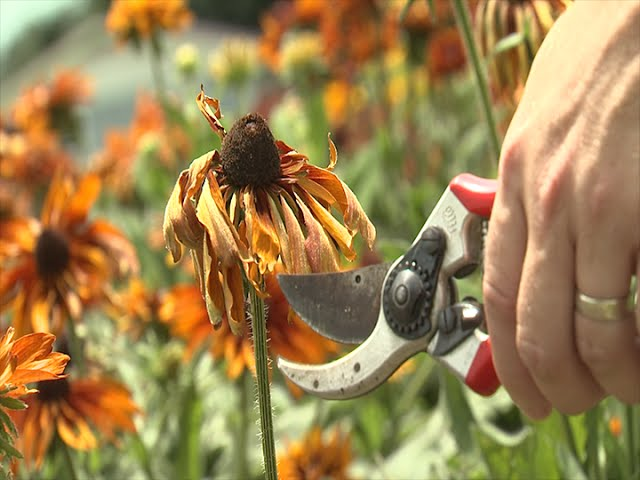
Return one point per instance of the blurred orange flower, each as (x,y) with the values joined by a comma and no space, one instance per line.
(135,20)
(48,106)
(26,360)
(29,157)
(56,266)
(253,205)
(445,53)
(316,457)
(76,410)
(133,307)
(184,310)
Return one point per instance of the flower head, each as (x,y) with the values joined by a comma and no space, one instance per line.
(316,457)
(56,266)
(256,204)
(135,20)
(28,359)
(234,62)
(76,410)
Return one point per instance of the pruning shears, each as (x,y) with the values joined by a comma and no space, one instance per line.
(394,311)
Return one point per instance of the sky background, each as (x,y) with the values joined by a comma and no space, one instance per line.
(16,15)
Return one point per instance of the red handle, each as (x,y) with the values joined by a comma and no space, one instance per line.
(482,377)
(475,193)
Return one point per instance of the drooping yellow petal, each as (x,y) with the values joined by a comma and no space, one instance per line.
(212,291)
(265,247)
(337,231)
(283,239)
(234,297)
(299,259)
(322,254)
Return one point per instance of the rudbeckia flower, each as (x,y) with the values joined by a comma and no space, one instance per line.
(255,204)
(26,360)
(141,19)
(316,457)
(183,309)
(76,410)
(56,266)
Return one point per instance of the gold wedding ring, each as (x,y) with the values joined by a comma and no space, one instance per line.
(604,309)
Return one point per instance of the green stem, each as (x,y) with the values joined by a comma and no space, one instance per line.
(75,347)
(568,430)
(259,327)
(156,67)
(241,461)
(73,475)
(464,24)
(630,427)
(592,464)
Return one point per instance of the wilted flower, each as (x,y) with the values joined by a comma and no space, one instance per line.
(76,410)
(316,457)
(186,314)
(135,20)
(497,19)
(28,359)
(253,205)
(56,266)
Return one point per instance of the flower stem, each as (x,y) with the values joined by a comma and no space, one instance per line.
(631,425)
(241,461)
(259,327)
(156,67)
(464,24)
(66,453)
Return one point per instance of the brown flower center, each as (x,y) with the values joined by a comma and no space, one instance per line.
(52,253)
(51,391)
(249,154)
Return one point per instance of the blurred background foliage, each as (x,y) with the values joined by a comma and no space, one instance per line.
(390,81)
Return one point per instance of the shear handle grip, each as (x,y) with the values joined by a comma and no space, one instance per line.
(475,193)
(481,376)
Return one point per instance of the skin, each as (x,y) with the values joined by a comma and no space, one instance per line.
(567,217)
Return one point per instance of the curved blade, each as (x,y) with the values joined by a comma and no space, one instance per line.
(342,306)
(358,372)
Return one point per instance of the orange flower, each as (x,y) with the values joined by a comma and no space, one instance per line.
(56,266)
(256,204)
(28,359)
(43,107)
(76,410)
(615,426)
(316,457)
(185,312)
(29,157)
(133,20)
(133,307)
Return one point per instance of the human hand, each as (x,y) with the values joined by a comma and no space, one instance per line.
(566,217)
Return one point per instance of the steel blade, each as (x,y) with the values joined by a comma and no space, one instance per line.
(342,306)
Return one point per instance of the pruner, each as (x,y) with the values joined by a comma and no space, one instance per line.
(394,311)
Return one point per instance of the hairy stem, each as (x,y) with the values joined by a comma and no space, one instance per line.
(259,327)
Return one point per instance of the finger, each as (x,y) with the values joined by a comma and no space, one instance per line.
(545,335)
(608,348)
(506,245)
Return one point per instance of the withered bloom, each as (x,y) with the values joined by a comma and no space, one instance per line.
(253,205)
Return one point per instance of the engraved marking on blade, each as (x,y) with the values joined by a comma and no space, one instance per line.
(450,220)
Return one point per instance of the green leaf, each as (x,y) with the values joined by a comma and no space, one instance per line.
(12,403)
(507,43)
(9,449)
(371,420)
(568,464)
(6,421)
(459,411)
